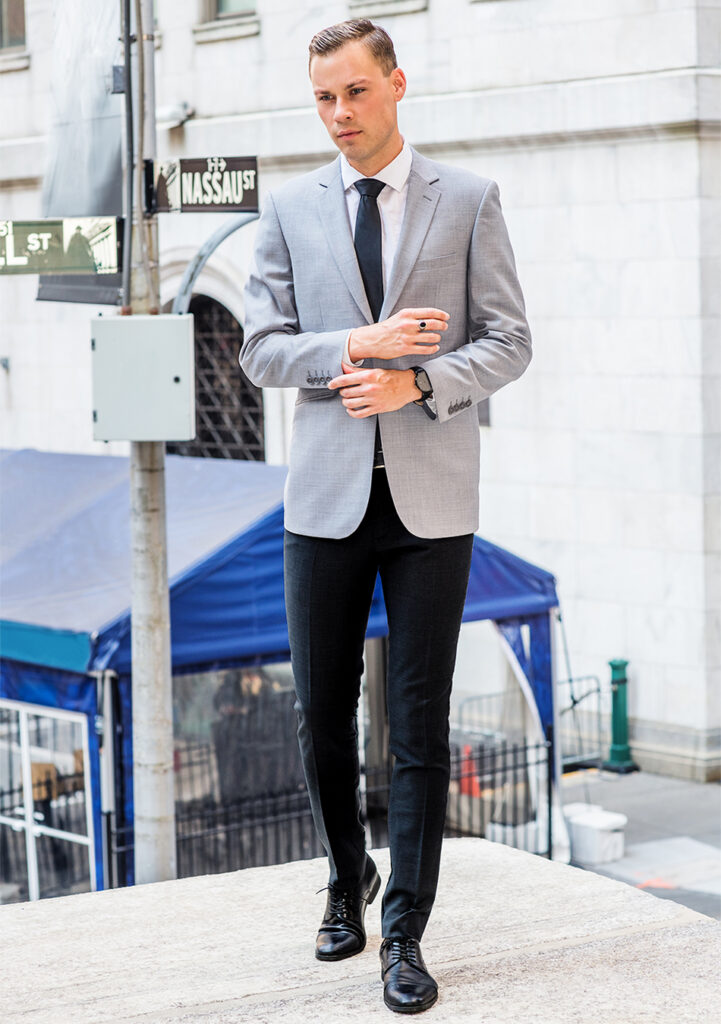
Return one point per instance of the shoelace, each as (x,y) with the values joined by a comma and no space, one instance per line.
(402,949)
(340,900)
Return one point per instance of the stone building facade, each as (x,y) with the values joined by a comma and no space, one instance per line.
(600,120)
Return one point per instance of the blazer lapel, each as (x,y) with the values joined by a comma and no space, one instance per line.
(421,203)
(334,217)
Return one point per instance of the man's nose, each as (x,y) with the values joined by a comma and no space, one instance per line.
(342,111)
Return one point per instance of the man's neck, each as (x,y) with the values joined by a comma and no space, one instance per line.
(368,170)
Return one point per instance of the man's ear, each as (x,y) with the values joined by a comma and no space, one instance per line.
(399,83)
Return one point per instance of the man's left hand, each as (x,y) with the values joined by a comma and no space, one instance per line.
(367,392)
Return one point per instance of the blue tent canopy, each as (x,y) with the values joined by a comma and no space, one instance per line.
(66,581)
(64,558)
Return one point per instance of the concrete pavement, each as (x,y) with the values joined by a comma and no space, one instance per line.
(513,938)
(673,836)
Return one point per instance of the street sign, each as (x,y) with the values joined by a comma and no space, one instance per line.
(221,184)
(73,245)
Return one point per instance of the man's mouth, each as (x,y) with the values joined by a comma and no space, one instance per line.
(348,134)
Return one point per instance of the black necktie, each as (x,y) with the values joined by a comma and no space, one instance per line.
(367,241)
(369,250)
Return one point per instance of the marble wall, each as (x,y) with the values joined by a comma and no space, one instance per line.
(600,120)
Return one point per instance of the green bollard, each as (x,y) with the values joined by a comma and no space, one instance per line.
(619,758)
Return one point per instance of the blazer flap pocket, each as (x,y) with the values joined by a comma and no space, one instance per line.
(313,394)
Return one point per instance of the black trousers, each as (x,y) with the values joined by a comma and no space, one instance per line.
(328,590)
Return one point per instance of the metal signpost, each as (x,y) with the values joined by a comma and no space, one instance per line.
(211,184)
(98,245)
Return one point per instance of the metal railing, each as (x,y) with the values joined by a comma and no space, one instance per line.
(580,720)
(498,790)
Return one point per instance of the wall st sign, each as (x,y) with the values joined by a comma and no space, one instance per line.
(73,245)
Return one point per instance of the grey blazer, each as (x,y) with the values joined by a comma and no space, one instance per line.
(304,294)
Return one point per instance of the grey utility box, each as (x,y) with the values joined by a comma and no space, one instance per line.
(143,378)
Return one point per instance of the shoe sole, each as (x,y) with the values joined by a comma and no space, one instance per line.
(419,1008)
(372,893)
(339,956)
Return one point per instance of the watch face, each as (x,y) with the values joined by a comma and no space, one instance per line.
(422,382)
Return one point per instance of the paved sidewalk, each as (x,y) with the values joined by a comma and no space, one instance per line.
(673,836)
(514,939)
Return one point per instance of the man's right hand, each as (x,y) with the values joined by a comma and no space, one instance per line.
(399,335)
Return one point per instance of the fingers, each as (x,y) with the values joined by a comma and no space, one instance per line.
(358,406)
(427,313)
(431,325)
(349,379)
(422,328)
(351,402)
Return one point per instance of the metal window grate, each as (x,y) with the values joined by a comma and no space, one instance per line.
(229,409)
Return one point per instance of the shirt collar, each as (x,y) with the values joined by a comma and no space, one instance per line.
(394,174)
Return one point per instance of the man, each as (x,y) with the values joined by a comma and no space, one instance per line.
(384,289)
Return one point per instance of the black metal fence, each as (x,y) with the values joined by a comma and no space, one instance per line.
(211,839)
(240,795)
(500,791)
(241,800)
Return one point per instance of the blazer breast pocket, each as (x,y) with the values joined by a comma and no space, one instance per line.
(437,281)
(435,264)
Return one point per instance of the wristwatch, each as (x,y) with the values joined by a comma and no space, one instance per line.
(423,384)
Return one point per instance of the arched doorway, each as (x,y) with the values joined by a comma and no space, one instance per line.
(228,408)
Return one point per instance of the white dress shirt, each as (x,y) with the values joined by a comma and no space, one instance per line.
(391,202)
(391,206)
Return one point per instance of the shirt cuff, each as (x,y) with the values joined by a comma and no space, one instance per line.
(346,354)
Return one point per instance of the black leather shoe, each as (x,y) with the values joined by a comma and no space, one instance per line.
(342,932)
(407,985)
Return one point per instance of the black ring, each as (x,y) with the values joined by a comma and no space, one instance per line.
(422,325)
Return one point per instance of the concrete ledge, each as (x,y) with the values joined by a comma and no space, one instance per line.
(625,107)
(513,938)
(14,60)
(227,28)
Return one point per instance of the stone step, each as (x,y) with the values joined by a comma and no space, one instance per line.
(513,938)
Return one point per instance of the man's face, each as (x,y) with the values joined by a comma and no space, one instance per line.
(358,105)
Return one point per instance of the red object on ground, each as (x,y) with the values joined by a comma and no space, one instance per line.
(469,783)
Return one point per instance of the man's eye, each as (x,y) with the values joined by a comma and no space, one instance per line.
(357,89)
(324,99)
